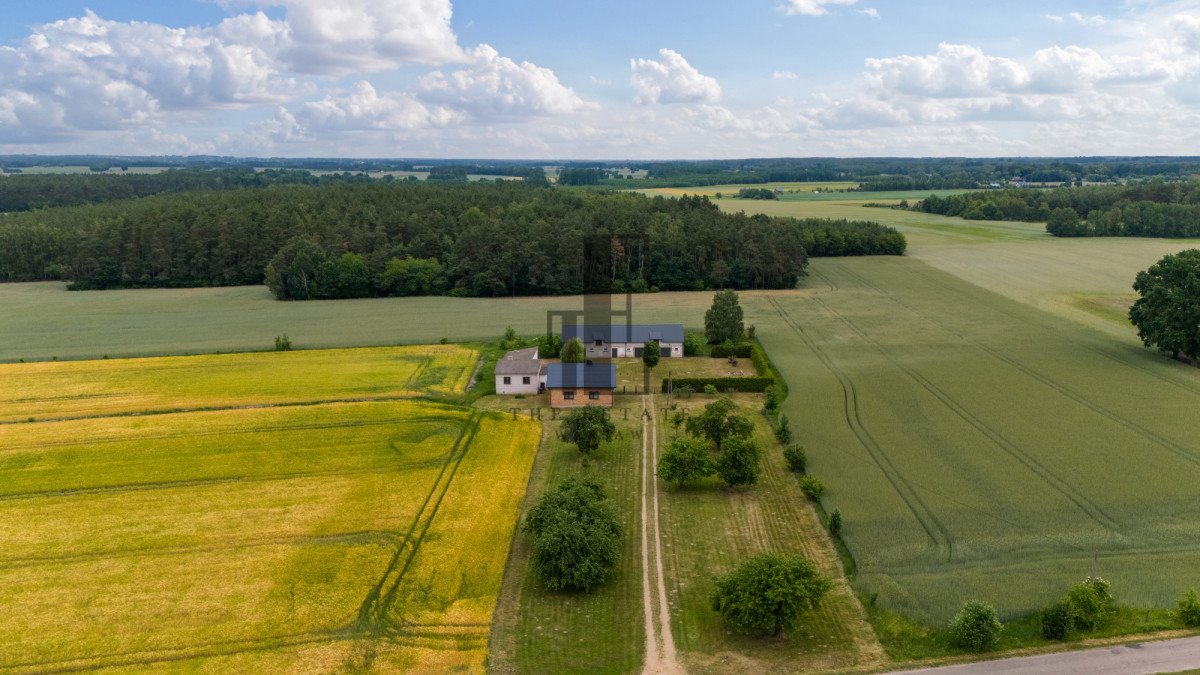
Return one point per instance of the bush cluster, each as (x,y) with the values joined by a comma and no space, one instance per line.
(721,384)
(976,627)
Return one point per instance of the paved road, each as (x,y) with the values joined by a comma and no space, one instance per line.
(1167,656)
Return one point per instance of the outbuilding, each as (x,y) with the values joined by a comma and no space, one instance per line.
(622,340)
(519,372)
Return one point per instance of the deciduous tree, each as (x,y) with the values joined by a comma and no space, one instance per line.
(685,459)
(1167,314)
(588,427)
(769,592)
(723,321)
(572,351)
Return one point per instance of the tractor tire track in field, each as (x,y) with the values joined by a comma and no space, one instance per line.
(373,613)
(1184,385)
(661,655)
(381,537)
(937,533)
(142,658)
(1180,451)
(1093,511)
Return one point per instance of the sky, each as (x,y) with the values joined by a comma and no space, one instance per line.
(654,79)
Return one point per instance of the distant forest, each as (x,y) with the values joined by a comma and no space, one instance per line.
(358,239)
(872,173)
(1152,208)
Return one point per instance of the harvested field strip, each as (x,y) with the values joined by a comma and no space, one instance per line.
(107,387)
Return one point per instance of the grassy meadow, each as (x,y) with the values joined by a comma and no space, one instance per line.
(707,530)
(333,537)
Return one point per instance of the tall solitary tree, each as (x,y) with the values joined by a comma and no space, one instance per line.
(572,351)
(723,321)
(769,592)
(651,353)
(1167,314)
(588,427)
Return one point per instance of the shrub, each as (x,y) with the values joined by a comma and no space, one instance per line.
(773,399)
(444,340)
(685,391)
(975,627)
(283,343)
(835,522)
(710,389)
(783,430)
(1188,609)
(797,458)
(1091,604)
(751,385)
(812,487)
(1056,621)
(692,344)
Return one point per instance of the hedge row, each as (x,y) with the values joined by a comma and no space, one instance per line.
(725,351)
(742,384)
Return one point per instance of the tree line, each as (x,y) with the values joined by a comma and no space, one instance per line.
(358,239)
(1153,208)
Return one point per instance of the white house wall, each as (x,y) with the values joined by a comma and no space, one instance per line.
(626,349)
(517,387)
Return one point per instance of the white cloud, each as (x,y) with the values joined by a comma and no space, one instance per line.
(1054,18)
(955,71)
(869,12)
(494,85)
(671,79)
(812,7)
(1093,20)
(345,36)
(362,108)
(784,75)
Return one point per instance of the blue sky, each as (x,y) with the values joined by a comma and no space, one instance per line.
(621,79)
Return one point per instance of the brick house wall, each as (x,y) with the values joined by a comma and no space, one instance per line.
(558,398)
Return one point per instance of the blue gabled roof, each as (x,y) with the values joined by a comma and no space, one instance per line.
(572,375)
(638,332)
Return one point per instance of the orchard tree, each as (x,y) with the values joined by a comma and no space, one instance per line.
(1167,314)
(738,462)
(685,459)
(718,423)
(769,592)
(651,353)
(588,427)
(723,321)
(572,351)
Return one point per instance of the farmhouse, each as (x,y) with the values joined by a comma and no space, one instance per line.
(519,372)
(620,340)
(573,385)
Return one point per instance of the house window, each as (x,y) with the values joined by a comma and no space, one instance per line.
(599,343)
(568,396)
(507,380)
(593,396)
(525,380)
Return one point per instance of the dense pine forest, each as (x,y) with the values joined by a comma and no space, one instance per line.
(358,239)
(1148,209)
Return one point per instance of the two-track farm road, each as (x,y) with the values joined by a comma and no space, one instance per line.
(660,645)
